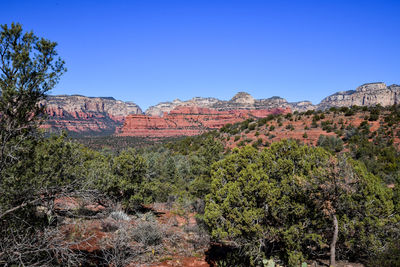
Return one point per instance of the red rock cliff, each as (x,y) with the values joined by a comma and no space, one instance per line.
(86,115)
(187,121)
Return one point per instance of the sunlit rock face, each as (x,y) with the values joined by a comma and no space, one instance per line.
(241,100)
(302,106)
(105,115)
(369,94)
(188,121)
(161,108)
(81,114)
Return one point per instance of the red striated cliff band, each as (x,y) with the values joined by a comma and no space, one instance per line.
(86,115)
(187,121)
(80,121)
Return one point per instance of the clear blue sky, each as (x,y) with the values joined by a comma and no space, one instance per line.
(149,51)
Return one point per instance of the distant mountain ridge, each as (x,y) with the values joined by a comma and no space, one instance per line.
(241,100)
(368,94)
(104,115)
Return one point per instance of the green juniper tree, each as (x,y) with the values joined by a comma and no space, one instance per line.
(29,67)
(295,202)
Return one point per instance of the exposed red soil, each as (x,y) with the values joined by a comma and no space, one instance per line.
(298,131)
(65,204)
(188,121)
(183,262)
(179,247)
(176,223)
(87,235)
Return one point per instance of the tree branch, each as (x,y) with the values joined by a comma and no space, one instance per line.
(19,207)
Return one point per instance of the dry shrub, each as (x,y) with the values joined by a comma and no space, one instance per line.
(148,233)
(119,215)
(30,247)
(119,250)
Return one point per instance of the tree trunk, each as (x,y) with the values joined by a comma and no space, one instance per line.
(334,239)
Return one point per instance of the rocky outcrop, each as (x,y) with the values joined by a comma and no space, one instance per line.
(241,100)
(366,95)
(201,114)
(81,114)
(302,106)
(188,120)
(161,108)
(369,94)
(102,115)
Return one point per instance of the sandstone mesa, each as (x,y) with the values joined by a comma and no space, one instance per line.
(105,115)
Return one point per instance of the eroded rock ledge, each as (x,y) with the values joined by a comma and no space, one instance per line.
(188,121)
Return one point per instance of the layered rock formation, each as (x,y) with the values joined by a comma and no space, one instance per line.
(188,120)
(302,106)
(366,95)
(369,94)
(104,115)
(161,108)
(241,100)
(81,114)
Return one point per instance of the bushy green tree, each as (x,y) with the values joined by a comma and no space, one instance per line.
(283,202)
(167,175)
(29,67)
(201,162)
(128,170)
(53,165)
(331,143)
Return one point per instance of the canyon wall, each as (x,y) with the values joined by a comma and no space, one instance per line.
(188,121)
(86,115)
(369,94)
(105,115)
(241,100)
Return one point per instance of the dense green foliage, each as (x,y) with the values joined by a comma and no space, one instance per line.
(331,143)
(52,163)
(159,173)
(29,68)
(277,202)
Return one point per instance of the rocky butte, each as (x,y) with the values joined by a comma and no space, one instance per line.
(189,120)
(81,114)
(198,115)
(241,100)
(105,115)
(369,94)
